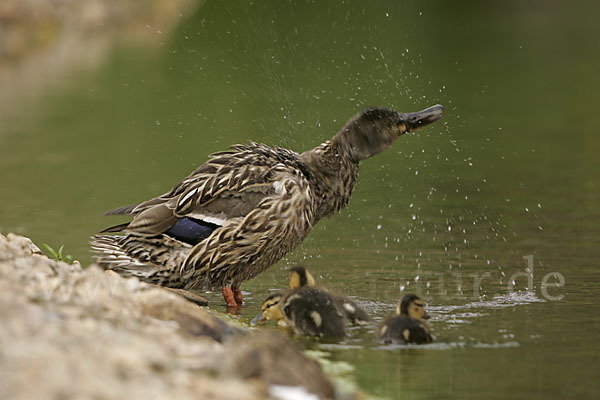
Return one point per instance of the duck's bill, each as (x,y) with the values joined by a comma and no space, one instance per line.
(258,319)
(419,119)
(426,316)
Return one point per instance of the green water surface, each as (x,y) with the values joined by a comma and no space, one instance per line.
(512,170)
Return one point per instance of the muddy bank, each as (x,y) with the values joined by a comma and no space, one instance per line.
(69,332)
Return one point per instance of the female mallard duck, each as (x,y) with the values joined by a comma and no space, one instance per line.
(300,276)
(245,208)
(308,310)
(408,325)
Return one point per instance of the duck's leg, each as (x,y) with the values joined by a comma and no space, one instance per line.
(237,293)
(229,296)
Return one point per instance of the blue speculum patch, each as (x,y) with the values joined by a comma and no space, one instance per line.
(191,230)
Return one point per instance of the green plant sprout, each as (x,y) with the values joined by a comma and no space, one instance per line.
(58,255)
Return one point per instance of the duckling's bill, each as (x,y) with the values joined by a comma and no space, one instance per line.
(258,319)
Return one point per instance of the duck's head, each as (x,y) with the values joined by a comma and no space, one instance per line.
(412,306)
(299,276)
(375,129)
(269,310)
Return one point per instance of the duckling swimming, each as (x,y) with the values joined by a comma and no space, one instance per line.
(408,325)
(308,310)
(245,208)
(300,276)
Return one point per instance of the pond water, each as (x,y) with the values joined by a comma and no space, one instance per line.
(508,180)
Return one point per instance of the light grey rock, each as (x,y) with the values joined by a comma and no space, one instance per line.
(73,333)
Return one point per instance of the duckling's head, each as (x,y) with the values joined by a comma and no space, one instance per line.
(375,129)
(412,306)
(299,276)
(269,310)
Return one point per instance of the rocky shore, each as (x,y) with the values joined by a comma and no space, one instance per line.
(69,332)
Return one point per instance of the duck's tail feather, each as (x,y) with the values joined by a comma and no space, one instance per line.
(125,210)
(116,228)
(151,259)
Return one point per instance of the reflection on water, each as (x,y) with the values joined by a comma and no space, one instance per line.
(449,213)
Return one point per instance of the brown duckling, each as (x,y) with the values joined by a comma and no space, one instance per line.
(300,276)
(408,325)
(308,310)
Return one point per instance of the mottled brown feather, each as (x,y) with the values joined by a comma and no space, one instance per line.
(264,201)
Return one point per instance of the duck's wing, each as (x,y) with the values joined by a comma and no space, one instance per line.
(313,312)
(245,246)
(229,185)
(352,311)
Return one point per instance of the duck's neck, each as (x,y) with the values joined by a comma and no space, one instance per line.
(333,176)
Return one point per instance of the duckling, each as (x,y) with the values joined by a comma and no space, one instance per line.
(300,276)
(307,310)
(408,325)
(270,310)
(247,207)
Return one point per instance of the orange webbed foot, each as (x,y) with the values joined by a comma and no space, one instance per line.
(229,297)
(237,295)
